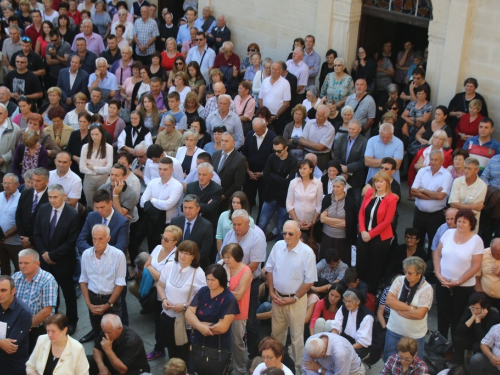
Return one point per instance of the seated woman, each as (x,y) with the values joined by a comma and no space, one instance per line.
(96,103)
(330,269)
(28,155)
(57,352)
(21,118)
(410,248)
(326,309)
(356,329)
(272,352)
(459,105)
(71,118)
(418,112)
(54,95)
(457,169)
(211,313)
(468,125)
(430,127)
(188,153)
(192,107)
(405,361)
(476,321)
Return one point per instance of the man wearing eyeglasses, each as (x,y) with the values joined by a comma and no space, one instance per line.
(57,55)
(10,246)
(35,63)
(129,27)
(11,45)
(23,82)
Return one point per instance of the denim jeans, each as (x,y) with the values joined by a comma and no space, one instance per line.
(391,342)
(266,214)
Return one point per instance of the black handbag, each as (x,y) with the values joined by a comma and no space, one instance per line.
(435,352)
(211,361)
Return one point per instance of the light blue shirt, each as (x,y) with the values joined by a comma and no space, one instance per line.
(200,22)
(8,216)
(184,35)
(375,148)
(254,247)
(437,237)
(232,123)
(193,176)
(109,82)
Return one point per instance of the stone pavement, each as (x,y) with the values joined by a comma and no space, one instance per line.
(144,325)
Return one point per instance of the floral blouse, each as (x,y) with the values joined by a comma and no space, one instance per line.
(337,90)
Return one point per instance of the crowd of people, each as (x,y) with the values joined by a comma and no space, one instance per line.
(143,154)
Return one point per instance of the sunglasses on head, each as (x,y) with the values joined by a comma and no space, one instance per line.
(26,39)
(94,125)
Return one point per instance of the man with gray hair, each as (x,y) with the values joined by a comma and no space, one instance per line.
(253,243)
(328,352)
(56,57)
(208,191)
(317,136)
(101,286)
(139,163)
(94,41)
(223,116)
(195,228)
(72,80)
(469,191)
(299,69)
(219,35)
(431,189)
(291,271)
(257,148)
(118,349)
(56,231)
(10,244)
(364,104)
(87,57)
(11,45)
(36,288)
(381,146)
(202,157)
(103,79)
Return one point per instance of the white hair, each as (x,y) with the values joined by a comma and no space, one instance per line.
(87,21)
(240,213)
(312,157)
(101,59)
(209,166)
(29,253)
(103,227)
(126,48)
(314,347)
(9,175)
(112,319)
(386,128)
(259,121)
(56,187)
(294,223)
(141,147)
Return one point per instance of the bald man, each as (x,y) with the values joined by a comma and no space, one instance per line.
(219,89)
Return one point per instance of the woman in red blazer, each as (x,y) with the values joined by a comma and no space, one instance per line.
(375,218)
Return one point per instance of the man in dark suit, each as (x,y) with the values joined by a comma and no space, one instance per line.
(56,231)
(119,230)
(219,34)
(79,84)
(28,206)
(231,167)
(350,151)
(257,148)
(208,192)
(195,228)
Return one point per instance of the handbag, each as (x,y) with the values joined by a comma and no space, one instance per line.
(210,360)
(180,333)
(435,352)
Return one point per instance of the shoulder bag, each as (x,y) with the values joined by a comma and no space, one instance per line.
(209,360)
(180,333)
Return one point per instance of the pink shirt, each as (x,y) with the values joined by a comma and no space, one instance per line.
(305,202)
(243,303)
(320,311)
(249,109)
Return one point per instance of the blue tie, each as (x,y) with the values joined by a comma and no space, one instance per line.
(187,233)
(105,221)
(53,222)
(35,202)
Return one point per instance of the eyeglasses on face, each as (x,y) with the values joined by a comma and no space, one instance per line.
(164,238)
(267,358)
(199,39)
(288,234)
(279,151)
(251,50)
(179,63)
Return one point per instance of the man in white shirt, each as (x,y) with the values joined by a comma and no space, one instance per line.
(203,55)
(300,70)
(129,27)
(431,188)
(64,176)
(154,154)
(288,286)
(161,197)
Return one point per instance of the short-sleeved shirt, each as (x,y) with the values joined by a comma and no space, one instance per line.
(323,134)
(23,84)
(440,180)
(211,310)
(325,272)
(482,152)
(9,48)
(108,83)
(94,44)
(377,149)
(492,339)
(366,109)
(64,49)
(128,199)
(39,293)
(491,174)
(145,31)
(8,217)
(35,61)
(253,245)
(71,183)
(274,94)
(475,193)
(129,348)
(301,71)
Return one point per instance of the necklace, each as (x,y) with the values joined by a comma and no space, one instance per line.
(238,270)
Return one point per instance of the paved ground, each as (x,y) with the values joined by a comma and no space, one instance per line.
(144,325)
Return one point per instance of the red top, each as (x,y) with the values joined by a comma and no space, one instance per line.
(320,310)
(167,63)
(385,214)
(77,17)
(33,34)
(233,60)
(43,46)
(110,128)
(467,127)
(243,303)
(55,4)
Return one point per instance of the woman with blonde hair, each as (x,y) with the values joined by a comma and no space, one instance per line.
(71,118)
(170,54)
(29,154)
(54,95)
(181,85)
(375,217)
(192,106)
(188,153)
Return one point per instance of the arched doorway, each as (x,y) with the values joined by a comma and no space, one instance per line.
(395,20)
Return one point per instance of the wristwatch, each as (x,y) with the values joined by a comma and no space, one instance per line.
(297,299)
(110,304)
(320,371)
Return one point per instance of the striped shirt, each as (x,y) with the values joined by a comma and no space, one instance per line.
(102,275)
(39,293)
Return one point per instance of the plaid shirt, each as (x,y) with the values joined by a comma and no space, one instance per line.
(40,292)
(145,31)
(393,366)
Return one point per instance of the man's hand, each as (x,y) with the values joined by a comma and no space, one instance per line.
(496,270)
(118,188)
(107,344)
(495,361)
(103,370)
(98,309)
(47,259)
(344,168)
(97,74)
(8,346)
(311,365)
(2,162)
(68,101)
(139,173)
(25,242)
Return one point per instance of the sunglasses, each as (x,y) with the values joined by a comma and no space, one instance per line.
(26,39)
(199,39)
(54,40)
(251,50)
(288,234)
(179,63)
(394,108)
(279,151)
(94,125)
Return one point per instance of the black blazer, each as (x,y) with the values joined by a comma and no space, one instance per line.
(25,220)
(201,233)
(212,192)
(257,157)
(80,85)
(217,32)
(232,174)
(61,248)
(356,162)
(351,215)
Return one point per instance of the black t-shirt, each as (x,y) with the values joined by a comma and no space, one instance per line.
(407,89)
(34,60)
(428,130)
(23,84)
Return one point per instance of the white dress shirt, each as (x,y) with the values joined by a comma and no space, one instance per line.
(164,196)
(71,183)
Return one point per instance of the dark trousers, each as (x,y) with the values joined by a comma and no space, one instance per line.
(9,253)
(343,245)
(49,81)
(480,364)
(451,303)
(34,334)
(462,343)
(134,238)
(69,293)
(428,223)
(253,323)
(95,320)
(159,346)
(145,60)
(371,260)
(168,339)
(123,298)
(323,159)
(94,370)
(251,188)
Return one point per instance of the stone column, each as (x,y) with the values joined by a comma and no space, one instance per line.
(345,28)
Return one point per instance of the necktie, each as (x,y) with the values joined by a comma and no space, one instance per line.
(105,221)
(52,227)
(222,161)
(187,233)
(35,202)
